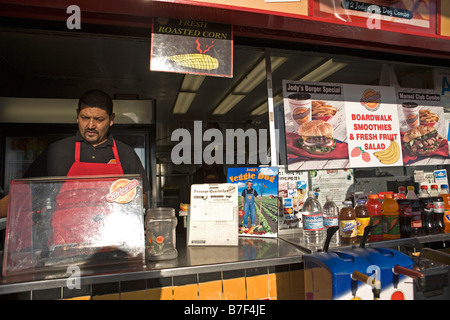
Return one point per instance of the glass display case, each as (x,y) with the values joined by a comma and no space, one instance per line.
(60,221)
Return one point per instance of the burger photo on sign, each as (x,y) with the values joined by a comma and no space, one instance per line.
(316,137)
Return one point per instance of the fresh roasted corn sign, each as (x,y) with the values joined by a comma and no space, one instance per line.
(189,46)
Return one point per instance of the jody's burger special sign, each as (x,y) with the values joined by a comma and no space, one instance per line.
(346,126)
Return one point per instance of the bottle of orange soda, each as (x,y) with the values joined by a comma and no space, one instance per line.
(390,211)
(446,197)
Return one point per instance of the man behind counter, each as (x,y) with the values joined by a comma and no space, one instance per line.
(92,151)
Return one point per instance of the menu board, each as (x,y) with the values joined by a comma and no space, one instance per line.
(257,200)
(190,46)
(372,126)
(395,15)
(339,126)
(423,127)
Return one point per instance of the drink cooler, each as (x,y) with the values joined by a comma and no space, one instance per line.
(350,273)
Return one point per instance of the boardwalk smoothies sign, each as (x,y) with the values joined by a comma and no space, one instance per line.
(258,200)
(348,126)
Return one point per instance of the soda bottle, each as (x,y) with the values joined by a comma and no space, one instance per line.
(331,217)
(313,233)
(426,209)
(444,189)
(362,218)
(374,207)
(401,193)
(391,226)
(405,217)
(446,198)
(347,223)
(416,216)
(438,210)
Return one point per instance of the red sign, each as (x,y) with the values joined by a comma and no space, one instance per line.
(391,15)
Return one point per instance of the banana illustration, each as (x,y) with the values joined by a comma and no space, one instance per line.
(389,155)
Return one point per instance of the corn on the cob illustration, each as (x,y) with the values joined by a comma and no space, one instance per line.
(195,61)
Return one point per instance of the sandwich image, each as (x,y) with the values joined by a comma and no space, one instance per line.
(421,140)
(316,137)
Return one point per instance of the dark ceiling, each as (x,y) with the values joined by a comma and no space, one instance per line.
(62,66)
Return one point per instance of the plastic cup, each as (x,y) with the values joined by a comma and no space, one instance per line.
(411,112)
(300,105)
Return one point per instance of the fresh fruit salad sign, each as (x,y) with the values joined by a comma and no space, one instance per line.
(373,133)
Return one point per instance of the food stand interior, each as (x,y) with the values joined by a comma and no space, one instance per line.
(57,65)
(49,64)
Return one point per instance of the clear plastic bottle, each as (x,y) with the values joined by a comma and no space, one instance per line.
(426,207)
(313,233)
(331,217)
(416,216)
(362,218)
(391,225)
(374,207)
(444,189)
(347,223)
(401,193)
(438,210)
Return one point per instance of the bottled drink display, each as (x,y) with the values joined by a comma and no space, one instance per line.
(438,210)
(313,233)
(426,208)
(391,226)
(347,224)
(374,207)
(331,217)
(362,218)
(416,216)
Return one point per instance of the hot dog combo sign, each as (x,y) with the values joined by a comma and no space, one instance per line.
(332,125)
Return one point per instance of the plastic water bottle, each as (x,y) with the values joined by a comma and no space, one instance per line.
(331,217)
(313,233)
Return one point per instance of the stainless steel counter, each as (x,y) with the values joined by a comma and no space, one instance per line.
(250,253)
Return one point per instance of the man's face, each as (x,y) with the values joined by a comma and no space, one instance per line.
(94,124)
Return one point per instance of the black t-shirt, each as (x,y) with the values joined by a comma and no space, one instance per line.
(59,157)
(251,191)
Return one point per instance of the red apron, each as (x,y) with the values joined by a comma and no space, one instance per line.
(80,209)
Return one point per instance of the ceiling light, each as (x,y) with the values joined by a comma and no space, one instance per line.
(257,75)
(228,103)
(323,71)
(191,83)
(253,79)
(184,100)
(262,109)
